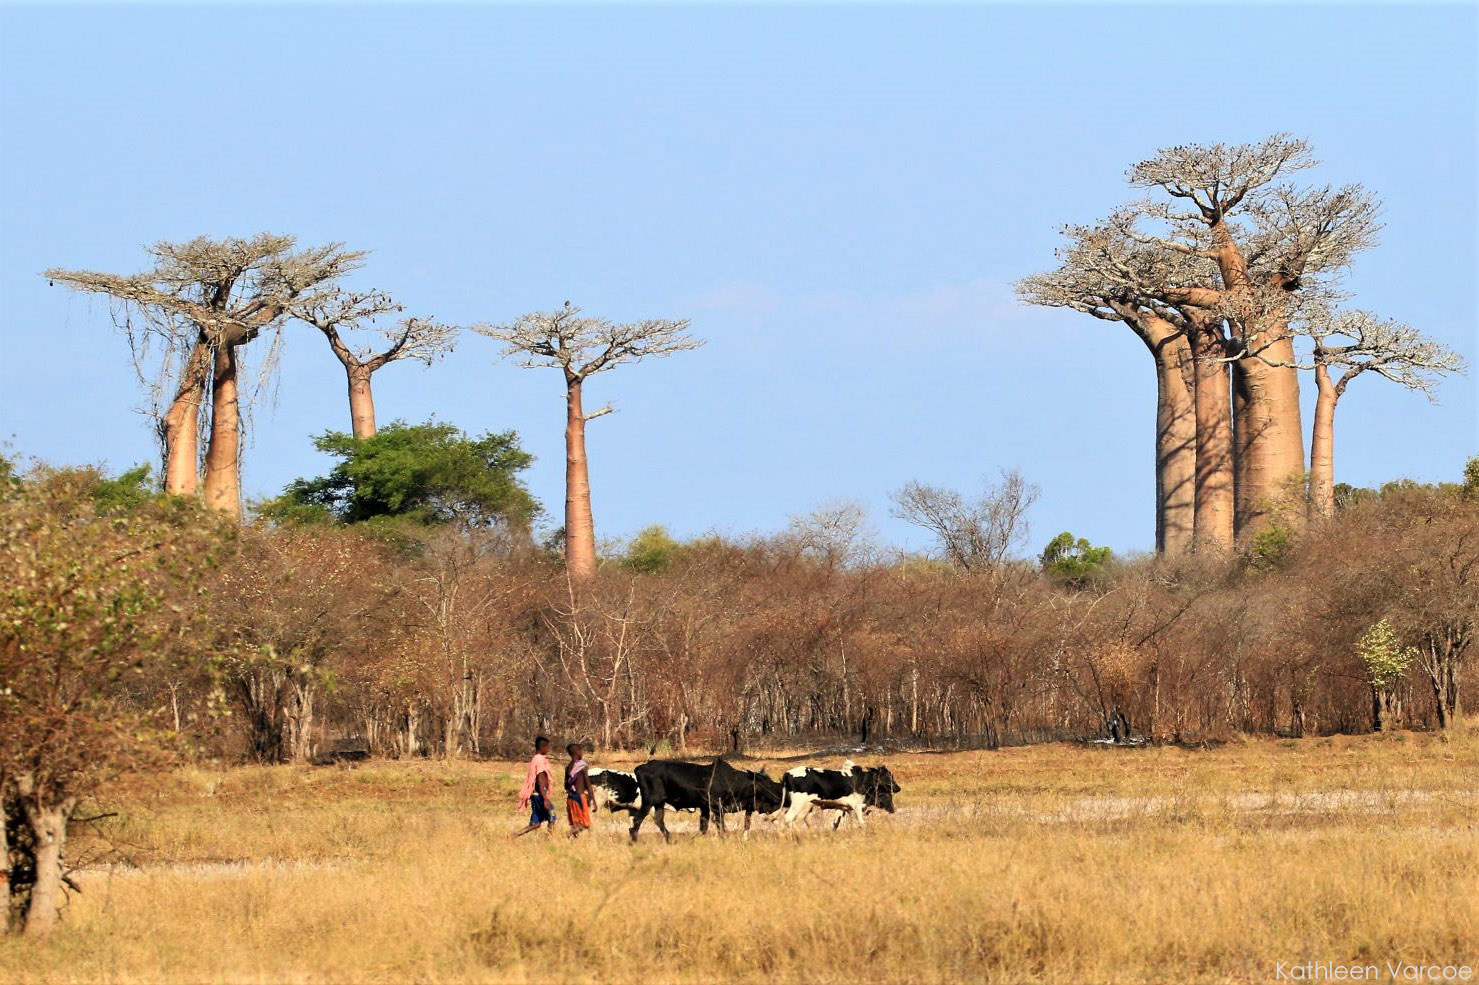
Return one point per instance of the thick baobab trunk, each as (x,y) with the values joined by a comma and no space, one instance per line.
(1269,441)
(1175,472)
(1175,450)
(1322,447)
(361,402)
(1266,416)
(182,425)
(580,527)
(223,455)
(1213,523)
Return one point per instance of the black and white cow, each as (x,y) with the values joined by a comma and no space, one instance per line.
(850,790)
(713,789)
(615,791)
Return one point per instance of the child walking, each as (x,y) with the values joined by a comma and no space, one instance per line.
(536,792)
(579,802)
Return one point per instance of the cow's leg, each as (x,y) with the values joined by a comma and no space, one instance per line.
(746,836)
(661,823)
(703,820)
(640,815)
(799,810)
(838,823)
(856,804)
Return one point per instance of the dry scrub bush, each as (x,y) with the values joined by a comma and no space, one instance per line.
(455,646)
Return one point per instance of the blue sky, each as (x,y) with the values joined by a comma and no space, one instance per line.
(839,197)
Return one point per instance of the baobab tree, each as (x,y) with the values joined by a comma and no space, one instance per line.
(203,300)
(1104,273)
(1268,240)
(1083,282)
(579,348)
(337,312)
(1389,349)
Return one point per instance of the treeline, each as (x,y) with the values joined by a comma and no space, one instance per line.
(453,639)
(464,647)
(141,628)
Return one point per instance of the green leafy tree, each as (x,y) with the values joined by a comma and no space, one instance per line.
(1386,659)
(1271,547)
(428,474)
(651,551)
(1073,560)
(97,595)
(128,491)
(1471,478)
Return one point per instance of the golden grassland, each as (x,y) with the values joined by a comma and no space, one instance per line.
(1046,864)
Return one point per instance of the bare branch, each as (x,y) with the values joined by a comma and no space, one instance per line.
(974,533)
(1217,178)
(337,311)
(1389,348)
(582,347)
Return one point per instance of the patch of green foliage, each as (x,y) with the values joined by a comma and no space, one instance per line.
(127,492)
(1074,561)
(1384,655)
(651,551)
(1271,547)
(426,474)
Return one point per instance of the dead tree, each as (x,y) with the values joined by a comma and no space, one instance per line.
(977,533)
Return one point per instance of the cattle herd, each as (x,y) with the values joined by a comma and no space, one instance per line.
(716,789)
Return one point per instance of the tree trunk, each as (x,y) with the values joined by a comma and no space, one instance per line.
(260,689)
(1175,451)
(5,811)
(1268,437)
(181,425)
(223,455)
(580,527)
(1269,441)
(1322,447)
(48,824)
(1386,708)
(1441,651)
(361,402)
(1213,522)
(299,721)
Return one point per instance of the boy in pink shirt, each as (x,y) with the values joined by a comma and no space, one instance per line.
(535,794)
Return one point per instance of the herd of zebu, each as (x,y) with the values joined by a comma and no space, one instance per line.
(718,788)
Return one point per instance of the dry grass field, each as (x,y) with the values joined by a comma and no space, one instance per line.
(1045,864)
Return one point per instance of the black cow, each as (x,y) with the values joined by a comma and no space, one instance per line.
(850,790)
(715,789)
